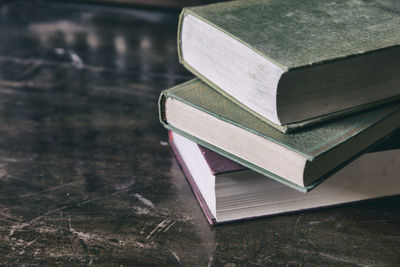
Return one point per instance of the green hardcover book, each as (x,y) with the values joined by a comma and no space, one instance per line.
(295,62)
(301,160)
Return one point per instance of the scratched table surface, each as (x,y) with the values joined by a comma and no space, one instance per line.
(86,174)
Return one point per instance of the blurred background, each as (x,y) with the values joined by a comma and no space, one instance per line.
(158,3)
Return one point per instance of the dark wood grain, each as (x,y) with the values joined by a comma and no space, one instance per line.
(86,174)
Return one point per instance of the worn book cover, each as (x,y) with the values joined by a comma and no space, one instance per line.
(312,143)
(301,35)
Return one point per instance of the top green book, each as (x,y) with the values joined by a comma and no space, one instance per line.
(292,63)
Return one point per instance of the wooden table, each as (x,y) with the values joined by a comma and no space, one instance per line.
(86,175)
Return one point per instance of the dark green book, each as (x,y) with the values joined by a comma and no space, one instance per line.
(301,160)
(295,62)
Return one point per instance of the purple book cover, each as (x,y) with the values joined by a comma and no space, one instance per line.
(219,164)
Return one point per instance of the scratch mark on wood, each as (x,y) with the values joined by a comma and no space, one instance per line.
(142,230)
(176,257)
(159,227)
(268,258)
(20,226)
(145,201)
(329,219)
(167,228)
(342,260)
(17,227)
(33,241)
(43,191)
(80,235)
(7,217)
(141,211)
(210,261)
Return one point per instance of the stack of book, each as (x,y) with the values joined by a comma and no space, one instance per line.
(289,93)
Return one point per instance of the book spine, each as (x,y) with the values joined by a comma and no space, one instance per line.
(161,107)
(224,153)
(179,36)
(164,121)
(282,128)
(203,205)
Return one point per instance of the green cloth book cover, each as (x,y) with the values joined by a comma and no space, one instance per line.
(297,36)
(312,142)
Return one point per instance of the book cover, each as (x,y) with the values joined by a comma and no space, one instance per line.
(373,175)
(312,143)
(310,26)
(300,35)
(219,164)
